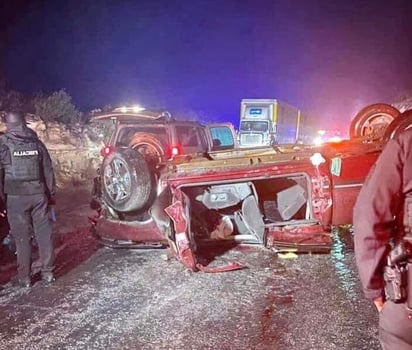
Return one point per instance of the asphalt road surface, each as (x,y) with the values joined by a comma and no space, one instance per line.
(122,299)
(129,299)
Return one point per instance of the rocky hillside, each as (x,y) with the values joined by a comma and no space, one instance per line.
(75,156)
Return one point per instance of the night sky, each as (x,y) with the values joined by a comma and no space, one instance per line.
(330,58)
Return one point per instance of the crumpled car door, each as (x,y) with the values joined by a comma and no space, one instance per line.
(180,239)
(180,243)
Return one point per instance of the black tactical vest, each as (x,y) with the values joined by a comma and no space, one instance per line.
(24,161)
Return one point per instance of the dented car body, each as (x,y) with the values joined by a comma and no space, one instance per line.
(286,198)
(283,201)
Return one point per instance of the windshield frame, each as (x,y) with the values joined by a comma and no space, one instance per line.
(251,125)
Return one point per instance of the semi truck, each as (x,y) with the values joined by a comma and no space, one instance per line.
(265,122)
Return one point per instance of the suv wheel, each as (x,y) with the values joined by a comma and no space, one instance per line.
(150,147)
(128,184)
(372,121)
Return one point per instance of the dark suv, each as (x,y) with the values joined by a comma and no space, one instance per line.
(139,148)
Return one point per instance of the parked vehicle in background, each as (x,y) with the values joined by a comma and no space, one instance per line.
(283,198)
(264,122)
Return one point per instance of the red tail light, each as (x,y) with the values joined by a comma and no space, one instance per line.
(106,151)
(175,151)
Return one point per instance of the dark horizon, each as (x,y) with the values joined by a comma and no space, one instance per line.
(328,59)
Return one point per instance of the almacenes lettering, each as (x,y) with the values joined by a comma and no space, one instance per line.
(25,153)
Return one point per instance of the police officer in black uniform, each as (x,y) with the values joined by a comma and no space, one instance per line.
(382,218)
(29,186)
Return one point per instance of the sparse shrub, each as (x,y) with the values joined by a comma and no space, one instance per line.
(100,130)
(56,107)
(10,100)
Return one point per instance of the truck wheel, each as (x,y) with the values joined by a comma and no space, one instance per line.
(372,121)
(403,122)
(127,182)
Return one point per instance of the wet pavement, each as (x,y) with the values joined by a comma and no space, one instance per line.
(129,299)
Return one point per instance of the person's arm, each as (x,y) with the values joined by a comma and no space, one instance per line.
(3,161)
(48,173)
(3,206)
(374,214)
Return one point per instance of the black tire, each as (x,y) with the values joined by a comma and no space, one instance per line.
(150,147)
(372,121)
(127,182)
(400,124)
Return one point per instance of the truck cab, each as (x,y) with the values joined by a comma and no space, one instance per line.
(265,122)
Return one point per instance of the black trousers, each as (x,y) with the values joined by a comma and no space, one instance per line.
(29,215)
(395,327)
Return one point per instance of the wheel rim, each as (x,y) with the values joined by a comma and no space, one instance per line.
(376,125)
(117,180)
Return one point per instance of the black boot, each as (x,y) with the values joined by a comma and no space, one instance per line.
(22,283)
(47,279)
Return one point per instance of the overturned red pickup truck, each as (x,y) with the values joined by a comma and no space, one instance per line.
(286,197)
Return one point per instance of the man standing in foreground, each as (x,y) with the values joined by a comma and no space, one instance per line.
(379,224)
(29,186)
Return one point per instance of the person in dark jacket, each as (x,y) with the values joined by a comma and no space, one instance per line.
(29,190)
(378,224)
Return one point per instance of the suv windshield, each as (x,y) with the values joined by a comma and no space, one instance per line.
(260,126)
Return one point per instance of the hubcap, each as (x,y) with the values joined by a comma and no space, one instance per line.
(376,125)
(117,180)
